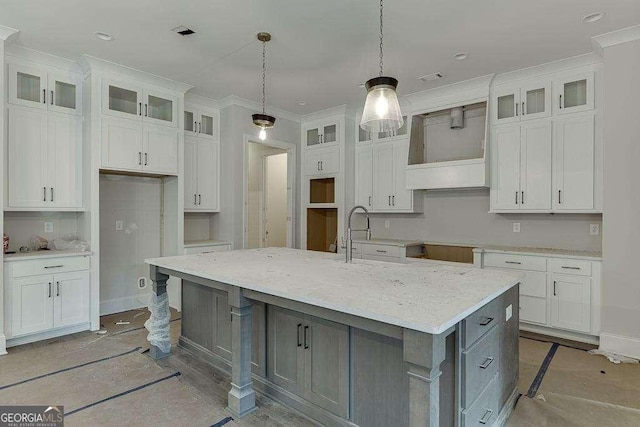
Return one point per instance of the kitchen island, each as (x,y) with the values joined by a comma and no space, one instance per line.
(368,343)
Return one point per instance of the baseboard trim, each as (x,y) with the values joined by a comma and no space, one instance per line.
(54,333)
(3,344)
(507,409)
(624,346)
(118,305)
(552,332)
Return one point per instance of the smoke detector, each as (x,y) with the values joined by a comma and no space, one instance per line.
(183,31)
(431,77)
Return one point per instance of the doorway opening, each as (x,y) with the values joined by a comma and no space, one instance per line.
(269,178)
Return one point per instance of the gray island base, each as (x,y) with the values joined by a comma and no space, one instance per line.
(369,343)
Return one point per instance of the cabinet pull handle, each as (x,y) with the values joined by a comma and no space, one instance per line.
(560,101)
(486,321)
(318,167)
(44,96)
(140,158)
(51,97)
(393,200)
(49,289)
(513,262)
(389,202)
(524,111)
(306,343)
(516,197)
(369,200)
(298,333)
(516,109)
(146,110)
(44,194)
(146,157)
(522,197)
(570,268)
(52,194)
(140,108)
(194,199)
(199,199)
(381,251)
(554,289)
(199,127)
(486,363)
(321,166)
(486,417)
(54,266)
(57,289)
(559,196)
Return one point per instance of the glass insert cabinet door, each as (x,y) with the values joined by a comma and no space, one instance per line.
(400,132)
(506,102)
(122,100)
(326,134)
(575,93)
(65,93)
(535,100)
(27,86)
(206,125)
(159,109)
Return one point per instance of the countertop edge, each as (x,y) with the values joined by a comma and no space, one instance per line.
(549,253)
(27,256)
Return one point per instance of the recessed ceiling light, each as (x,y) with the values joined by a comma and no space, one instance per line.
(302,103)
(103,36)
(461,56)
(431,77)
(593,17)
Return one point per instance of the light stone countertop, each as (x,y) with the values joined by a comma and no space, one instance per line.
(390,242)
(427,296)
(199,243)
(22,256)
(593,256)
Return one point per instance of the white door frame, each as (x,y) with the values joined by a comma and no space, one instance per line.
(291,185)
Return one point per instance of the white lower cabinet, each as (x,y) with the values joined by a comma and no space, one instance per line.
(39,301)
(558,295)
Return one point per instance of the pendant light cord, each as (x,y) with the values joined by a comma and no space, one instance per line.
(264,73)
(381,36)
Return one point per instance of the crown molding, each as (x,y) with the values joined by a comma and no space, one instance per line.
(473,90)
(615,37)
(191,98)
(256,106)
(7,33)
(20,53)
(587,59)
(340,110)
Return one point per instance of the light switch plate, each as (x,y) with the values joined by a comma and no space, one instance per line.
(509,312)
(48,227)
(516,227)
(119,225)
(387,223)
(594,229)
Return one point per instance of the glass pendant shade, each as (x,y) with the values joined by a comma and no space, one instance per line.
(381,108)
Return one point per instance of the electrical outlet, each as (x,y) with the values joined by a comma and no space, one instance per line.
(509,312)
(119,225)
(516,227)
(387,223)
(48,227)
(594,229)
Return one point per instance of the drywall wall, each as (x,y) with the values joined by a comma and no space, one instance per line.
(235,123)
(621,277)
(135,201)
(21,227)
(462,216)
(197,226)
(276,200)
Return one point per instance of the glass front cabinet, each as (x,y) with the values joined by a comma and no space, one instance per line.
(45,88)
(574,93)
(523,102)
(201,122)
(323,134)
(133,102)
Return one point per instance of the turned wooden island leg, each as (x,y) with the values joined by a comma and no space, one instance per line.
(242,397)
(157,316)
(424,353)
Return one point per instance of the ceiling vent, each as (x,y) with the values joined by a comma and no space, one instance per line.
(431,77)
(183,31)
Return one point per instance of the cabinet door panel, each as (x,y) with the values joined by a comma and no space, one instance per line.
(31,305)
(571,302)
(208,167)
(505,174)
(401,199)
(506,103)
(27,86)
(222,329)
(535,100)
(535,179)
(121,145)
(383,176)
(28,163)
(285,367)
(326,364)
(574,163)
(208,125)
(533,310)
(65,93)
(575,93)
(122,100)
(65,161)
(71,300)
(364,176)
(190,173)
(160,108)
(160,150)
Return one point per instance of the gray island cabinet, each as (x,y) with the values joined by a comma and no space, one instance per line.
(369,343)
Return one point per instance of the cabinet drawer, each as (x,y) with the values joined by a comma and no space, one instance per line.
(480,322)
(534,284)
(533,309)
(519,262)
(485,410)
(49,266)
(383,250)
(570,266)
(480,364)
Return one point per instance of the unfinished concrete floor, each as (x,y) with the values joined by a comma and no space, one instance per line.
(108,380)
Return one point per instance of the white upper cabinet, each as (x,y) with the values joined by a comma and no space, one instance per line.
(324,161)
(45,160)
(399,133)
(505,161)
(202,175)
(383,176)
(201,122)
(130,101)
(45,88)
(320,134)
(506,104)
(402,198)
(528,101)
(160,150)
(575,93)
(364,175)
(121,146)
(574,157)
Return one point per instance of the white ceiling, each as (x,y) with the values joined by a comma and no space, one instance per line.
(321,50)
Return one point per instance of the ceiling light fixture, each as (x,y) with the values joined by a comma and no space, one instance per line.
(593,17)
(381,108)
(103,36)
(301,103)
(461,56)
(263,121)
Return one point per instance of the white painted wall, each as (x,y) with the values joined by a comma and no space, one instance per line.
(235,122)
(462,216)
(21,227)
(198,226)
(276,200)
(621,276)
(137,202)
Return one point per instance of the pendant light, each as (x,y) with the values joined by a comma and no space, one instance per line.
(263,121)
(381,108)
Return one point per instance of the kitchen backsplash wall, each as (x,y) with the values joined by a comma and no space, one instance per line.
(198,226)
(136,202)
(462,216)
(22,226)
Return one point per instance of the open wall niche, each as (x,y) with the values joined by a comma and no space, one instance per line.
(322,229)
(322,190)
